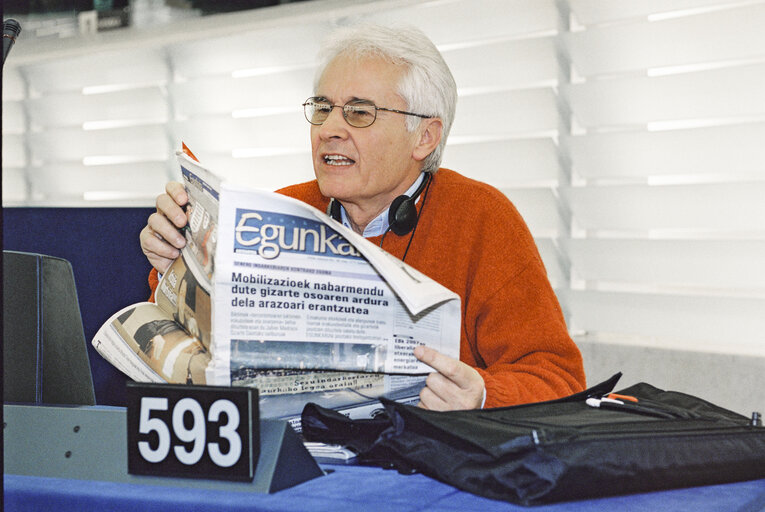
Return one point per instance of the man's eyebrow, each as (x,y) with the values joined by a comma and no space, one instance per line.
(361,100)
(353,99)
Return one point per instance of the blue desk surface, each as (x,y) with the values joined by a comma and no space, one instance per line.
(349,488)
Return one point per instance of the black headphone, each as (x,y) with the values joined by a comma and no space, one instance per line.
(402,214)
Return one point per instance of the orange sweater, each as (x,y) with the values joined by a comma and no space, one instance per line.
(472,240)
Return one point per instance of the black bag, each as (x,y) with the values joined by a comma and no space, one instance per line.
(586,445)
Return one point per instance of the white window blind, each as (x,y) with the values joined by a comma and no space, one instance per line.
(668,173)
(97,123)
(628,133)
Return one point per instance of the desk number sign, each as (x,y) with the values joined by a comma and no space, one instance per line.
(192,431)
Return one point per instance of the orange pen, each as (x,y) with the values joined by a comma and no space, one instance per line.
(617,396)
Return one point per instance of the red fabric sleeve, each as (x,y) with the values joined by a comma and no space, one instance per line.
(522,338)
(153,282)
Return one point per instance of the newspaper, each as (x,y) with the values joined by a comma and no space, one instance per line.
(273,293)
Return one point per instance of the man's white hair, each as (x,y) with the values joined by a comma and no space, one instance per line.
(427,86)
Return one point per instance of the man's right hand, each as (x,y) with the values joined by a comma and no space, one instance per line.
(161,239)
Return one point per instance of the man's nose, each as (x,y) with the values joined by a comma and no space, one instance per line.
(334,125)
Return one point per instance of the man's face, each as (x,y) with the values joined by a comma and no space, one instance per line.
(366,167)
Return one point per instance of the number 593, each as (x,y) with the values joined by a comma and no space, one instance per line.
(193,431)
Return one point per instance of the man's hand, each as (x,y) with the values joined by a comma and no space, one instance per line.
(455,385)
(160,239)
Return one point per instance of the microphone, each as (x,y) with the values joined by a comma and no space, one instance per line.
(11,30)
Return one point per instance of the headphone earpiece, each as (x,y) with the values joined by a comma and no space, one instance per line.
(402,213)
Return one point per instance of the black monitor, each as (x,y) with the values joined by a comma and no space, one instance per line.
(45,357)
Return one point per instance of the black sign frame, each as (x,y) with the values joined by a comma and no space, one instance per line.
(192,431)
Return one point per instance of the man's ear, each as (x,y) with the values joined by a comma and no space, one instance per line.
(430,131)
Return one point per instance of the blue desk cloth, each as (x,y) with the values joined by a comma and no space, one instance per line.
(352,489)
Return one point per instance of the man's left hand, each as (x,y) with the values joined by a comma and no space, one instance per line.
(454,386)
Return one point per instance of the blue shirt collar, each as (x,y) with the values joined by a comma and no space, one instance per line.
(379,224)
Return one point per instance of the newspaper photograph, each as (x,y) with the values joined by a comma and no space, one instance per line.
(165,351)
(181,296)
(284,393)
(202,212)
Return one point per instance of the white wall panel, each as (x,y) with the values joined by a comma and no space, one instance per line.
(734,34)
(604,11)
(506,113)
(14,118)
(722,93)
(142,180)
(735,152)
(446,22)
(223,95)
(14,151)
(506,163)
(267,50)
(517,64)
(266,173)
(735,266)
(14,185)
(14,88)
(727,209)
(144,105)
(714,324)
(540,210)
(224,134)
(124,68)
(144,143)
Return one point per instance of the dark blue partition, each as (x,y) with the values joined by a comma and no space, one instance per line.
(110,270)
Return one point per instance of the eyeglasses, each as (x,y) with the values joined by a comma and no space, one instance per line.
(357,113)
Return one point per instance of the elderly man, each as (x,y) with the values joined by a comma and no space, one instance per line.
(383,104)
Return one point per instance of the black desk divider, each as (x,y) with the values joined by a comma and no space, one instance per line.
(45,356)
(110,270)
(88,443)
